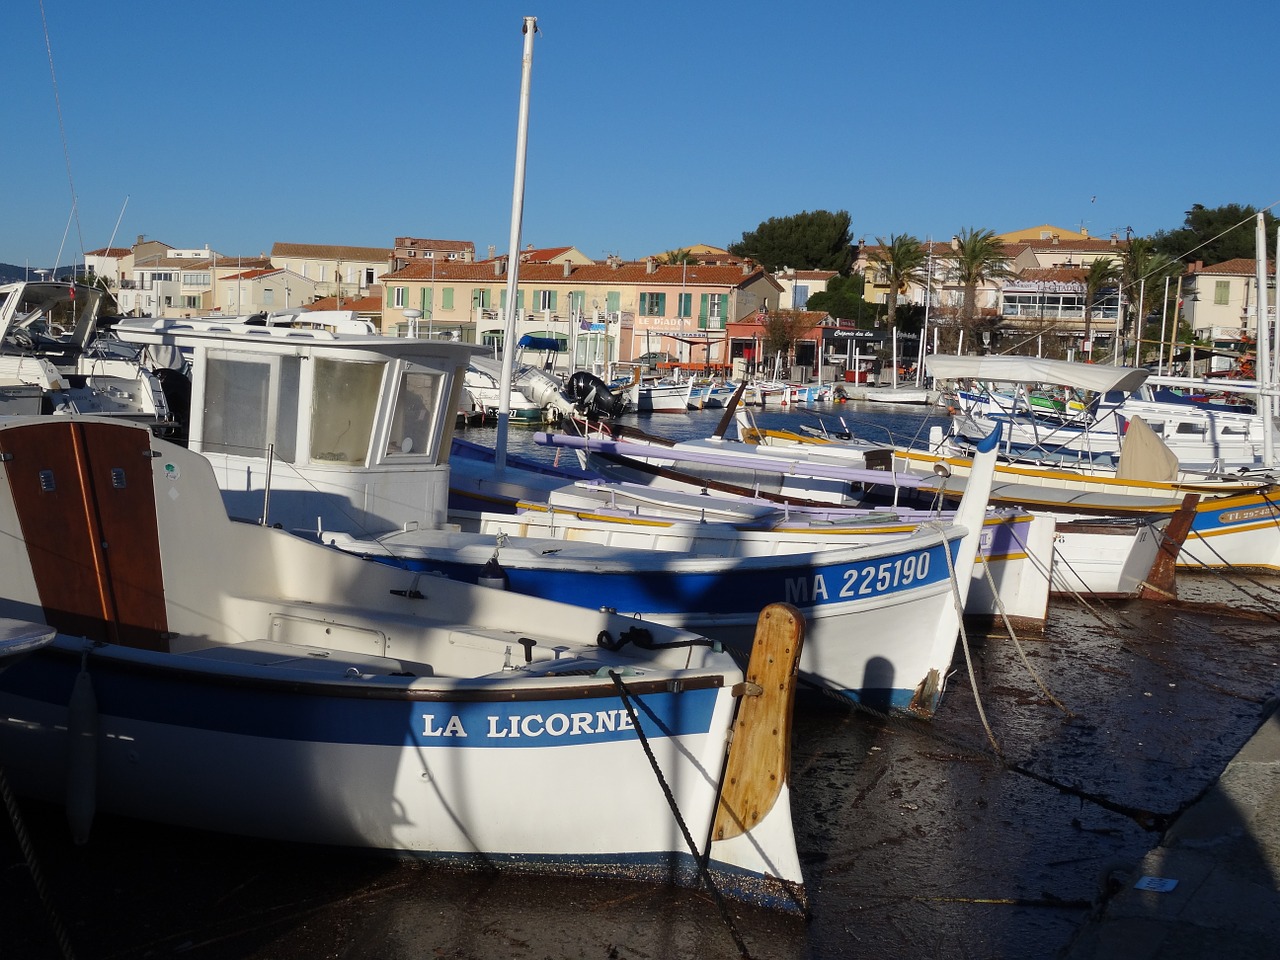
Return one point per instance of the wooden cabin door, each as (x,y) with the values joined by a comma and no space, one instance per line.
(85,501)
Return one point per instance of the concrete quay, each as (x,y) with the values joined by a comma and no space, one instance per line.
(1211,887)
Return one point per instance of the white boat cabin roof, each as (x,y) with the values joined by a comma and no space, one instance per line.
(1098,377)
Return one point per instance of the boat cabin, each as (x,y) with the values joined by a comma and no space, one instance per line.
(302,423)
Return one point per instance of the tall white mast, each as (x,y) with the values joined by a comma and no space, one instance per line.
(1266,382)
(513,255)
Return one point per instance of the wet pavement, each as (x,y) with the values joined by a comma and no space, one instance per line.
(931,838)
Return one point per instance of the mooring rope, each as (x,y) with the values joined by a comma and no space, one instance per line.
(1017,644)
(33,867)
(958,604)
(700,860)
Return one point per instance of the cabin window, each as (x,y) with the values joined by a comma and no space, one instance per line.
(250,405)
(343,404)
(1191,428)
(414,415)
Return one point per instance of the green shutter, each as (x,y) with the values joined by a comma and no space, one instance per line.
(612,301)
(446,298)
(520,301)
(704,306)
(553,302)
(662,305)
(724,309)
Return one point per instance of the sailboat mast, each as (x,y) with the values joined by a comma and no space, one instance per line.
(513,255)
(1266,382)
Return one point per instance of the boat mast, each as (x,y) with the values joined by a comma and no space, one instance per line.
(513,255)
(1266,383)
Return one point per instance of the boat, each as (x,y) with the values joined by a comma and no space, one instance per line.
(655,396)
(1205,440)
(481,384)
(21,638)
(709,394)
(234,677)
(361,461)
(52,356)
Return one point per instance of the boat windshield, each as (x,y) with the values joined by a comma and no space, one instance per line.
(414,416)
(343,405)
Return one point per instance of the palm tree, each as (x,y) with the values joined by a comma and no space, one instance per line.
(901,263)
(676,257)
(1143,270)
(1101,274)
(977,258)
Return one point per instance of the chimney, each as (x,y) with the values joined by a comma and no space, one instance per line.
(568,267)
(1054,239)
(650,264)
(492,251)
(747,267)
(499,266)
(1115,239)
(1085,231)
(614,262)
(955,243)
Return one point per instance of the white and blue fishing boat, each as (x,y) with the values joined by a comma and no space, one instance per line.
(340,438)
(234,677)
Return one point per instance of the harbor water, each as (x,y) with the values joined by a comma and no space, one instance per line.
(1053,766)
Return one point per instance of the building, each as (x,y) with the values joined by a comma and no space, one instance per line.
(337,271)
(263,290)
(599,312)
(409,250)
(799,285)
(1220,302)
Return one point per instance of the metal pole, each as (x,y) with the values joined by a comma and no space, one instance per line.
(1266,403)
(513,256)
(1164,316)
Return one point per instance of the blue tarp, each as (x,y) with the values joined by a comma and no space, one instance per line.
(538,343)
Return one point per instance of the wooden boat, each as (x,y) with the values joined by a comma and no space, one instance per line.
(368,470)
(234,677)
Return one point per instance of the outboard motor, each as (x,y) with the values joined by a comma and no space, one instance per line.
(592,396)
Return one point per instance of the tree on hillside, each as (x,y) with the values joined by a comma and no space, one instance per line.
(1214,235)
(806,241)
(843,300)
(1102,274)
(978,258)
(900,262)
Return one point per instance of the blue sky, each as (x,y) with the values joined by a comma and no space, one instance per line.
(652,126)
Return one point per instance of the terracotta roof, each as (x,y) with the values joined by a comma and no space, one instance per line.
(117,253)
(320,251)
(253,274)
(191,263)
(418,243)
(544,255)
(628,274)
(1240,265)
(1091,245)
(358,304)
(809,275)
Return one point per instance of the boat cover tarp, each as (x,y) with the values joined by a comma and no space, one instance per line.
(1083,376)
(538,343)
(1144,456)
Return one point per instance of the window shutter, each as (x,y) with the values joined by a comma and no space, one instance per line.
(446,298)
(552,303)
(702,306)
(724,308)
(612,301)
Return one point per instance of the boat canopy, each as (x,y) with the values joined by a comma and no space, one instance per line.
(538,343)
(1101,378)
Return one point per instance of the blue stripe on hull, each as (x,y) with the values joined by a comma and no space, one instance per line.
(799,579)
(294,712)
